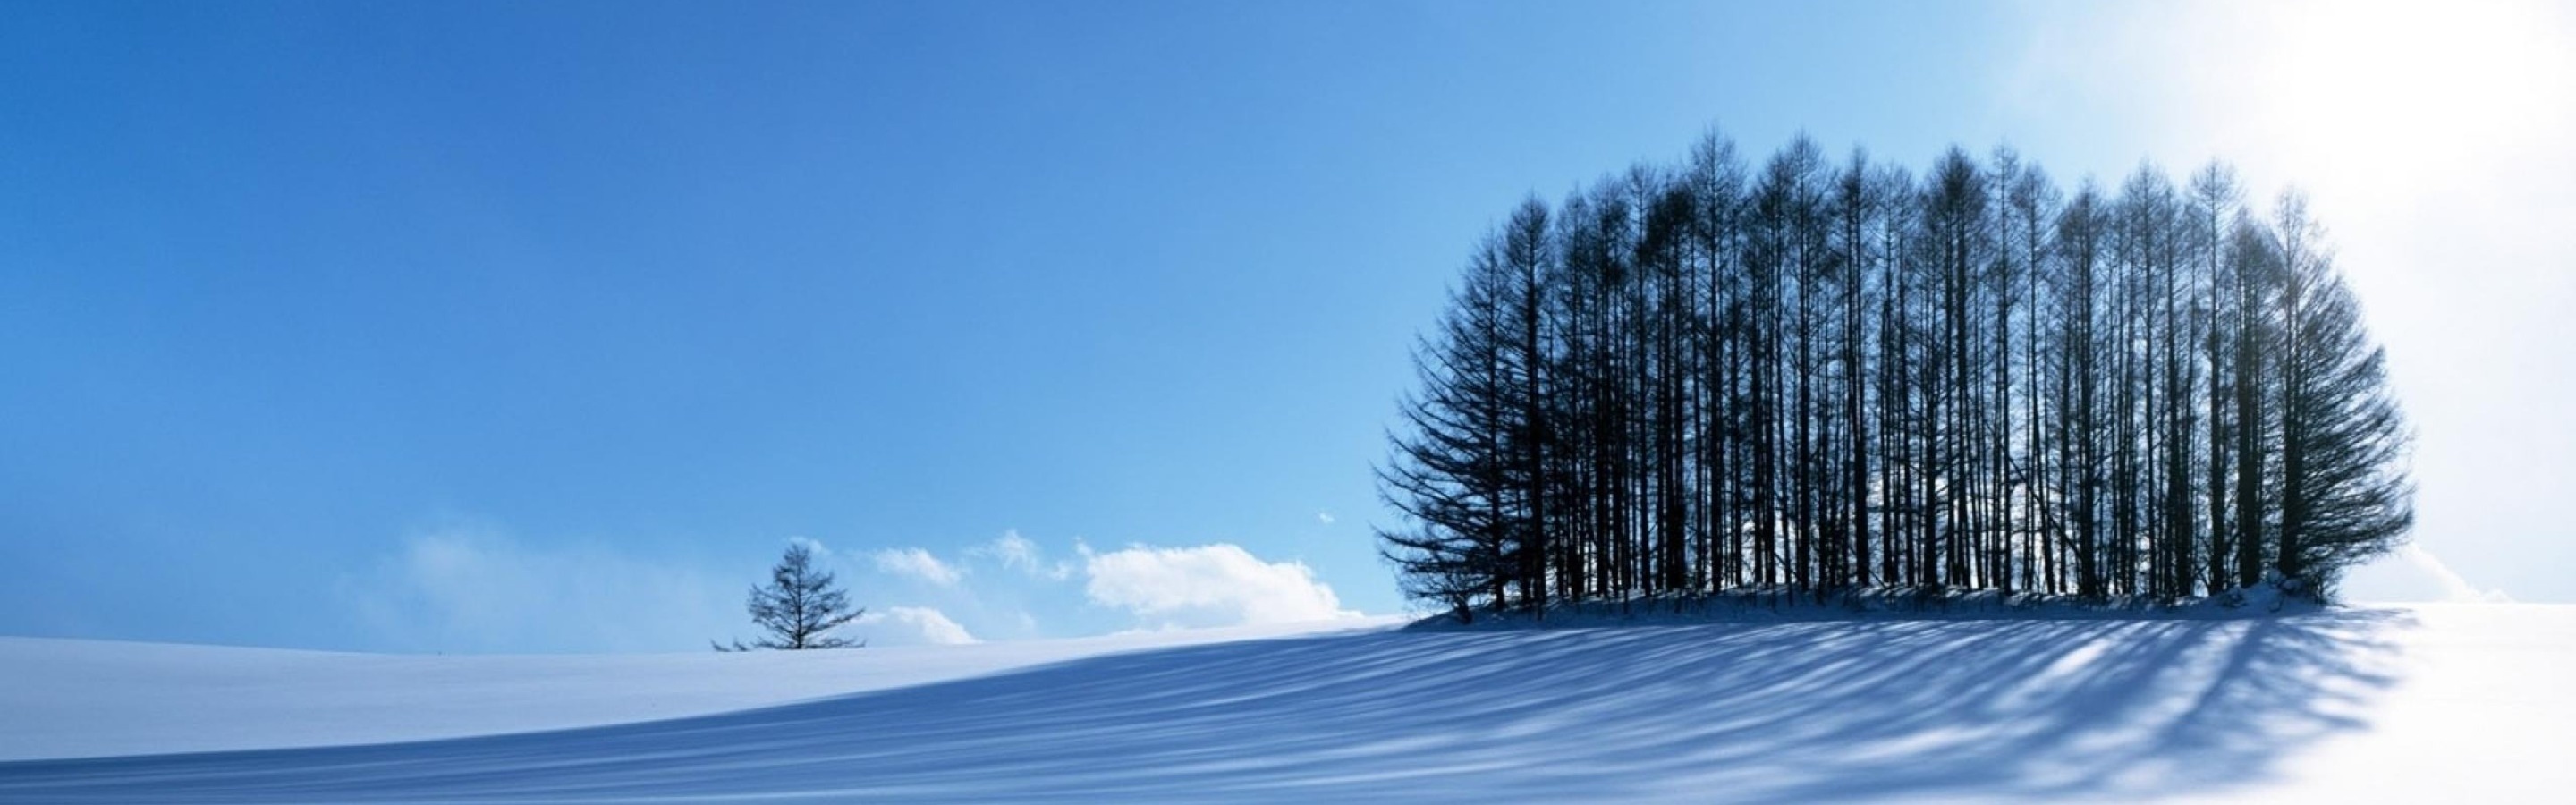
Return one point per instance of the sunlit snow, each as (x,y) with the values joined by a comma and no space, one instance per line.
(2430,703)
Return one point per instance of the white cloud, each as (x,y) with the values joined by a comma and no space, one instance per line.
(819,550)
(474,589)
(1209,585)
(1016,552)
(913,626)
(2413,574)
(919,564)
(1324,517)
(2454,588)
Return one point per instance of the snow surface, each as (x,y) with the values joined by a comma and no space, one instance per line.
(2427,703)
(87,698)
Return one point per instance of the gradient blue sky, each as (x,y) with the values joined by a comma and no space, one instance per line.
(542,327)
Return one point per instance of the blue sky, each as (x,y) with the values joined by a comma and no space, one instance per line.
(543,327)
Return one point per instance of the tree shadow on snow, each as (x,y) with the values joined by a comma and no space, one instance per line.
(1732,712)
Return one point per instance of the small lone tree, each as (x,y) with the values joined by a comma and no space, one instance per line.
(798,606)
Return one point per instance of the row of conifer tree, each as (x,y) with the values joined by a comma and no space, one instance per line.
(1812,375)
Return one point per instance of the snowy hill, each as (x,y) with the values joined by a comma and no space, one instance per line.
(2379,704)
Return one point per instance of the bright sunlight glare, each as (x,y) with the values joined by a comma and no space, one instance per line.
(2408,94)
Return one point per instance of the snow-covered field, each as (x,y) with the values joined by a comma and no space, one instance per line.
(2417,704)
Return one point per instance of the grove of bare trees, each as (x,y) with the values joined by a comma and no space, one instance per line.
(1811,375)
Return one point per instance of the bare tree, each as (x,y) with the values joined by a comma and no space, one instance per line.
(1466,469)
(799,607)
(2345,496)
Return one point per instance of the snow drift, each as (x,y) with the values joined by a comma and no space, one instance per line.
(2427,703)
